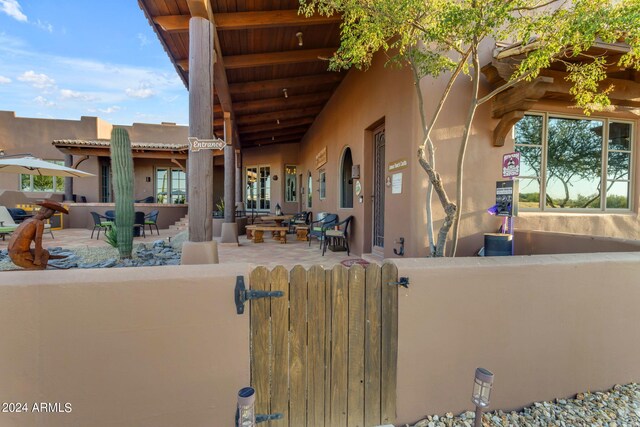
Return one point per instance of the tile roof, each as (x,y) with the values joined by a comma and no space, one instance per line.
(94,143)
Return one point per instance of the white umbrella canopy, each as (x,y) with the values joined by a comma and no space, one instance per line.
(34,166)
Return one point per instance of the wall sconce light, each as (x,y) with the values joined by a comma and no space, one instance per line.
(299,36)
(147,179)
(481,395)
(277,121)
(284,91)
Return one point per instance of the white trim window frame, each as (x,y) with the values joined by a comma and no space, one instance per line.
(624,151)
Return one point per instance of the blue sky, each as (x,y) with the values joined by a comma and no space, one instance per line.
(69,58)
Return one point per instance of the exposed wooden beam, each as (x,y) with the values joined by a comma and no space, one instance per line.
(278,58)
(504,126)
(279,84)
(287,140)
(521,97)
(247,20)
(173,23)
(278,115)
(200,8)
(101,152)
(281,103)
(625,92)
(276,133)
(273,125)
(183,63)
(269,19)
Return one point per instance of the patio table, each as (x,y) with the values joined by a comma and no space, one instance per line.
(278,219)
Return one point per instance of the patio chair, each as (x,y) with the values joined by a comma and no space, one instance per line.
(100,222)
(139,223)
(7,224)
(301,218)
(317,228)
(111,215)
(18,214)
(148,199)
(338,235)
(151,219)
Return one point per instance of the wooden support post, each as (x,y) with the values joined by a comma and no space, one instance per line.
(229,172)
(68,181)
(200,163)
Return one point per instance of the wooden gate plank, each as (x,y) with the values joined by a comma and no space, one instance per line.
(298,347)
(260,344)
(339,342)
(372,370)
(315,346)
(328,276)
(279,279)
(355,404)
(389,342)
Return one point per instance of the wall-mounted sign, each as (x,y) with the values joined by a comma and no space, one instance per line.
(196,144)
(396,183)
(321,158)
(511,165)
(398,165)
(507,198)
(358,188)
(355,172)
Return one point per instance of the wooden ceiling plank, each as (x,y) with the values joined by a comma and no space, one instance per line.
(260,85)
(277,58)
(173,23)
(281,103)
(274,125)
(278,133)
(269,19)
(279,115)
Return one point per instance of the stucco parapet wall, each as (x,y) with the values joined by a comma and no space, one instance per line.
(142,205)
(429,264)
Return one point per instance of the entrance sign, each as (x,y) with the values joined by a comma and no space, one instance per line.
(398,165)
(507,198)
(196,144)
(321,158)
(511,165)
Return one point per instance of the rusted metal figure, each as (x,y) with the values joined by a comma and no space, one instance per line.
(29,231)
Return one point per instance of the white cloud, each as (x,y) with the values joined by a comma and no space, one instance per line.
(72,94)
(44,102)
(40,81)
(109,110)
(13,9)
(142,38)
(143,91)
(4,80)
(43,25)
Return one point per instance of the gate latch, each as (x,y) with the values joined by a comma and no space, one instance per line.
(243,294)
(402,281)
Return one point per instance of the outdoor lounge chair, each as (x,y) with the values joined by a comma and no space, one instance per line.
(151,219)
(18,214)
(7,223)
(317,228)
(338,235)
(100,222)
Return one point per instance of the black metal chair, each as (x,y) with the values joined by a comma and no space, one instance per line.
(139,223)
(18,214)
(100,222)
(317,228)
(148,199)
(151,219)
(338,235)
(111,215)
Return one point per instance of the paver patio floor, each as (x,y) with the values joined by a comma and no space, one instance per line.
(270,253)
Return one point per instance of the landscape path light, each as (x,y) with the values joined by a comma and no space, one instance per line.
(246,415)
(481,392)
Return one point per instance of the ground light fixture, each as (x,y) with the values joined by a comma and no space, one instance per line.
(481,392)
(246,414)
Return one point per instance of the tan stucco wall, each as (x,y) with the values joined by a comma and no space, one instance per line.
(547,326)
(31,135)
(159,346)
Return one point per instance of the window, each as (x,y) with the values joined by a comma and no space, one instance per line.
(171,186)
(291,183)
(309,190)
(322,188)
(258,190)
(346,182)
(43,183)
(566,160)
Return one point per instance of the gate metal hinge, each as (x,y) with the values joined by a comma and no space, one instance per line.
(403,281)
(242,295)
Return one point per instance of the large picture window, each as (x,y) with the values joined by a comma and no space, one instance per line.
(43,183)
(574,163)
(258,190)
(171,185)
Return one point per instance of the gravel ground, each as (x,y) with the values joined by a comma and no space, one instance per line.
(87,255)
(618,407)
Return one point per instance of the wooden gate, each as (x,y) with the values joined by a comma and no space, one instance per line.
(325,354)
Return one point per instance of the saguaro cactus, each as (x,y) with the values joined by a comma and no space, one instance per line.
(122,169)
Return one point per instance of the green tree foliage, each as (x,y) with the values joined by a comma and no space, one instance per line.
(443,37)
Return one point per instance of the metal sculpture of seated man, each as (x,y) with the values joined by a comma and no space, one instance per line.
(29,231)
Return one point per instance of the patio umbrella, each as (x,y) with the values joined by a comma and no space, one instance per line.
(34,166)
